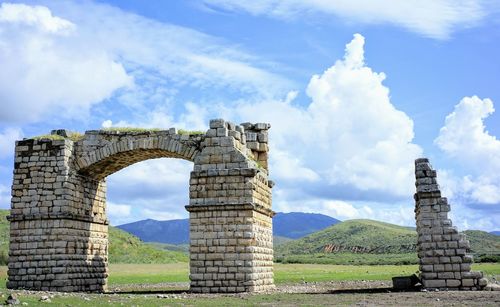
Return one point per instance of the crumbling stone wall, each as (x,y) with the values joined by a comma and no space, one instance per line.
(59,229)
(442,250)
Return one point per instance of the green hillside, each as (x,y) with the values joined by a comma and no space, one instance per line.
(4,237)
(123,247)
(372,242)
(127,248)
(357,236)
(485,246)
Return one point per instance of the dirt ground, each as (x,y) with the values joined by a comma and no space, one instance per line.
(333,293)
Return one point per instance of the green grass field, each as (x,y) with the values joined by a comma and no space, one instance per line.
(121,274)
(283,273)
(135,279)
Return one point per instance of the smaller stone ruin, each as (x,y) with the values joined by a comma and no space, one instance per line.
(443,252)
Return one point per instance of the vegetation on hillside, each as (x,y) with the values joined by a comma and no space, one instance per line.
(358,236)
(372,242)
(484,246)
(4,237)
(123,247)
(126,248)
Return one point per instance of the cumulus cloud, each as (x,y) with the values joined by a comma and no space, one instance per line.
(7,141)
(44,72)
(431,18)
(350,134)
(464,138)
(37,16)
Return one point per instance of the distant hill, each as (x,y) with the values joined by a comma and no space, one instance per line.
(285,226)
(296,225)
(127,248)
(278,240)
(482,242)
(496,233)
(123,247)
(4,236)
(357,236)
(364,237)
(170,232)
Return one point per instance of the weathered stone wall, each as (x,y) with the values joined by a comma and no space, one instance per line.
(59,230)
(231,248)
(442,250)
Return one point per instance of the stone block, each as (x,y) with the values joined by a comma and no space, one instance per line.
(434,283)
(453,283)
(468,282)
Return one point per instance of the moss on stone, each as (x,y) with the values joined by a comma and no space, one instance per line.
(130,129)
(53,137)
(189,132)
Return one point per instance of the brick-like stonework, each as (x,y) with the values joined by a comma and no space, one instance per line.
(442,250)
(231,244)
(59,229)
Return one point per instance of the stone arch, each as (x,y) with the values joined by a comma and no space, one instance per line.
(102,153)
(59,227)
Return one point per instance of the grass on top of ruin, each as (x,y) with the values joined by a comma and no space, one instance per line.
(74,136)
(137,129)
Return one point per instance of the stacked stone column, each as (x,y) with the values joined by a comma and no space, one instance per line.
(58,229)
(231,247)
(442,250)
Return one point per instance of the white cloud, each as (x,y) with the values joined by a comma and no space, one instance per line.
(464,136)
(154,173)
(287,167)
(7,141)
(396,213)
(107,123)
(465,139)
(157,189)
(106,50)
(37,16)
(119,213)
(43,72)
(160,215)
(350,134)
(432,18)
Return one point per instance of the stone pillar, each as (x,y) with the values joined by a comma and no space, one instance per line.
(442,250)
(231,247)
(58,229)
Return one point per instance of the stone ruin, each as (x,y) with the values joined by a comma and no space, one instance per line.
(59,226)
(58,221)
(442,250)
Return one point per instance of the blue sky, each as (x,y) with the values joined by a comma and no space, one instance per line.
(354,91)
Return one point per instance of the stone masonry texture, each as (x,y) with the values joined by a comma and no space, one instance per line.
(442,250)
(58,224)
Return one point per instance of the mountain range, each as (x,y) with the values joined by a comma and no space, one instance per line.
(292,225)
